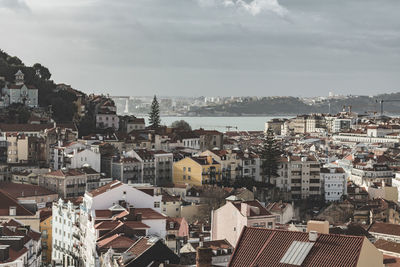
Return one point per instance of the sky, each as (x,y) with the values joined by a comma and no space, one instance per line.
(209,47)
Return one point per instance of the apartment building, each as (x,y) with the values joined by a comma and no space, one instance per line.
(210,139)
(65,233)
(71,182)
(25,149)
(367,173)
(230,163)
(196,170)
(299,175)
(334,183)
(126,170)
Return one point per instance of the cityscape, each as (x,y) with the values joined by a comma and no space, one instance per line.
(232,133)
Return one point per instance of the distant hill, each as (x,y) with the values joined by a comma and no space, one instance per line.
(294,105)
(39,76)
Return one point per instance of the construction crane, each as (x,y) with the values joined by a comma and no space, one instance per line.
(386,100)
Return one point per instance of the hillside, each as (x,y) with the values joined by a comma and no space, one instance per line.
(39,76)
(293,105)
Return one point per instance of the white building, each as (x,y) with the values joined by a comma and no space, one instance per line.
(75,155)
(111,198)
(19,93)
(65,234)
(334,181)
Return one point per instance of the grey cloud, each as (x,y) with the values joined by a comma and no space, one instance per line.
(15,5)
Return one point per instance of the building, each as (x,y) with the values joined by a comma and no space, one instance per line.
(46,231)
(10,208)
(284,212)
(135,124)
(65,234)
(122,203)
(19,93)
(267,247)
(365,174)
(230,163)
(334,183)
(75,155)
(171,205)
(71,182)
(275,125)
(156,166)
(32,194)
(228,221)
(385,231)
(177,232)
(20,246)
(126,169)
(299,175)
(196,171)
(107,119)
(221,252)
(210,139)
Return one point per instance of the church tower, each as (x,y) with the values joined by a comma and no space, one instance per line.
(19,78)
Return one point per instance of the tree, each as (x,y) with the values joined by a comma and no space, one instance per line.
(181,125)
(154,115)
(270,156)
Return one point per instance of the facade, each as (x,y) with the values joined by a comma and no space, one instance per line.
(19,93)
(228,221)
(210,139)
(334,183)
(365,174)
(115,201)
(299,175)
(65,234)
(135,124)
(230,163)
(107,119)
(75,155)
(127,170)
(196,171)
(46,230)
(70,182)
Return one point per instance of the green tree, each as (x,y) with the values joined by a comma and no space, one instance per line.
(181,125)
(270,157)
(154,115)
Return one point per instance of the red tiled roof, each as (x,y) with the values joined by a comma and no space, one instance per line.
(116,241)
(385,228)
(24,190)
(105,188)
(265,247)
(6,201)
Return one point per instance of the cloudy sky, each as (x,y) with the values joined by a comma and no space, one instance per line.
(209,47)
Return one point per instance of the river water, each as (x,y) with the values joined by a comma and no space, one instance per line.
(220,123)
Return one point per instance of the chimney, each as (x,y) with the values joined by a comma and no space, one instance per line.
(13,211)
(203,257)
(139,217)
(321,227)
(245,209)
(312,236)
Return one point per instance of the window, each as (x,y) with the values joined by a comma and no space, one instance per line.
(188,177)
(189,169)
(184,169)
(184,177)
(156,204)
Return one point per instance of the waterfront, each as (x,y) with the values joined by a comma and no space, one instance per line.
(247,123)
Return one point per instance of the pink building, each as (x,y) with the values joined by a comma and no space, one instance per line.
(229,220)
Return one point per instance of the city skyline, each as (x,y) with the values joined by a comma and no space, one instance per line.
(209,47)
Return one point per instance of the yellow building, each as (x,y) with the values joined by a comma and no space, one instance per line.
(196,171)
(46,230)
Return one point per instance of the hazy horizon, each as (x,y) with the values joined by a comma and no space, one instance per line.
(210,47)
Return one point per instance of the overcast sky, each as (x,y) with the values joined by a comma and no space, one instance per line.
(209,47)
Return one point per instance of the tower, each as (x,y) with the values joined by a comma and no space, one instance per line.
(19,78)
